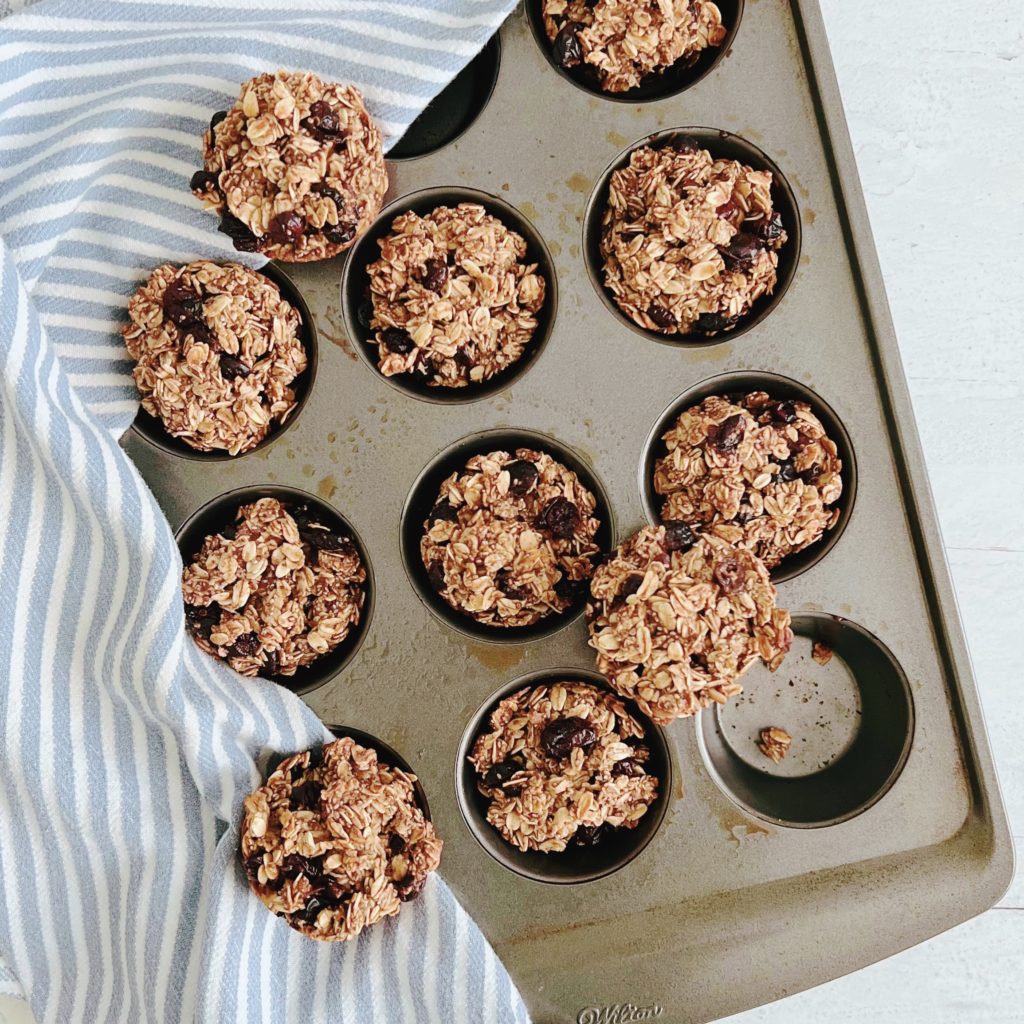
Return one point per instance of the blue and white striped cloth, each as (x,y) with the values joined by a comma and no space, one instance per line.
(125,751)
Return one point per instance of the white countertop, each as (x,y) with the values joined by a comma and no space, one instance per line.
(929,90)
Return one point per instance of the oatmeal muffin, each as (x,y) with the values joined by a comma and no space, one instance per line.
(623,41)
(511,538)
(754,471)
(273,591)
(677,619)
(563,764)
(216,348)
(453,300)
(295,168)
(689,243)
(334,841)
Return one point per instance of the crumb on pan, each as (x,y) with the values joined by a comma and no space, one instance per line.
(821,653)
(774,742)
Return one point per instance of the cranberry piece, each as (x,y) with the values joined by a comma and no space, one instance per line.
(443,512)
(435,275)
(663,317)
(216,120)
(728,434)
(522,477)
(561,736)
(678,536)
(246,646)
(203,181)
(271,662)
(559,517)
(684,144)
(589,836)
(339,234)
(182,304)
(409,888)
(231,367)
(394,339)
(328,192)
(201,619)
(323,122)
(728,574)
(287,227)
(513,591)
(244,240)
(712,323)
(252,865)
(364,314)
(567,49)
(570,590)
(787,471)
(727,209)
(771,229)
(783,412)
(742,252)
(630,585)
(306,796)
(498,775)
(435,573)
(628,766)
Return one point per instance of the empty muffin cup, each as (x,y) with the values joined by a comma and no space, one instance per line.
(711,329)
(511,347)
(454,109)
(152,430)
(219,514)
(779,388)
(565,55)
(823,739)
(423,504)
(614,849)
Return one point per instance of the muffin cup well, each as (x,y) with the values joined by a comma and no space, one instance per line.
(220,511)
(449,114)
(841,768)
(152,430)
(355,282)
(778,387)
(721,145)
(423,497)
(658,85)
(574,864)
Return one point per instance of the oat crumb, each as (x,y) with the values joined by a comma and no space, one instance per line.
(774,742)
(821,653)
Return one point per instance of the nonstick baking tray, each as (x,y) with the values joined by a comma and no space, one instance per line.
(884,826)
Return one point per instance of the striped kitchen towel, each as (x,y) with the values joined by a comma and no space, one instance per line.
(126,751)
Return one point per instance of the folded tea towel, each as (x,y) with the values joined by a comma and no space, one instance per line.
(125,751)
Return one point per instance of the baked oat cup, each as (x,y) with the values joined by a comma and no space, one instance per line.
(692,264)
(500,534)
(225,356)
(451,295)
(672,45)
(788,489)
(297,611)
(295,168)
(845,703)
(336,840)
(678,618)
(593,785)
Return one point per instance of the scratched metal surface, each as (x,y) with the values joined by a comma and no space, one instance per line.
(723,910)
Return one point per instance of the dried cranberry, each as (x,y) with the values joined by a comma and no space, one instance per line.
(182,304)
(567,49)
(323,122)
(306,796)
(684,144)
(396,844)
(513,591)
(630,585)
(663,317)
(231,367)
(498,775)
(239,233)
(364,314)
(742,252)
(787,471)
(589,836)
(339,234)
(727,209)
(216,120)
(678,536)
(328,192)
(312,909)
(727,435)
(435,573)
(287,227)
(201,619)
(561,736)
(435,274)
(230,532)
(203,181)
(712,323)
(771,229)
(559,517)
(394,339)
(443,512)
(628,766)
(271,662)
(743,515)
(252,865)
(522,476)
(728,574)
(246,646)
(409,888)
(783,412)
(295,864)
(570,590)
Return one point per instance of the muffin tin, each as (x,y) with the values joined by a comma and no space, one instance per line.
(883,826)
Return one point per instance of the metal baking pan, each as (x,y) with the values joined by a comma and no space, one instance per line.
(757,883)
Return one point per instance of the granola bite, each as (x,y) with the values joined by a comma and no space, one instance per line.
(511,538)
(454,302)
(624,41)
(295,168)
(274,590)
(216,347)
(754,471)
(334,841)
(774,742)
(563,764)
(689,243)
(677,619)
